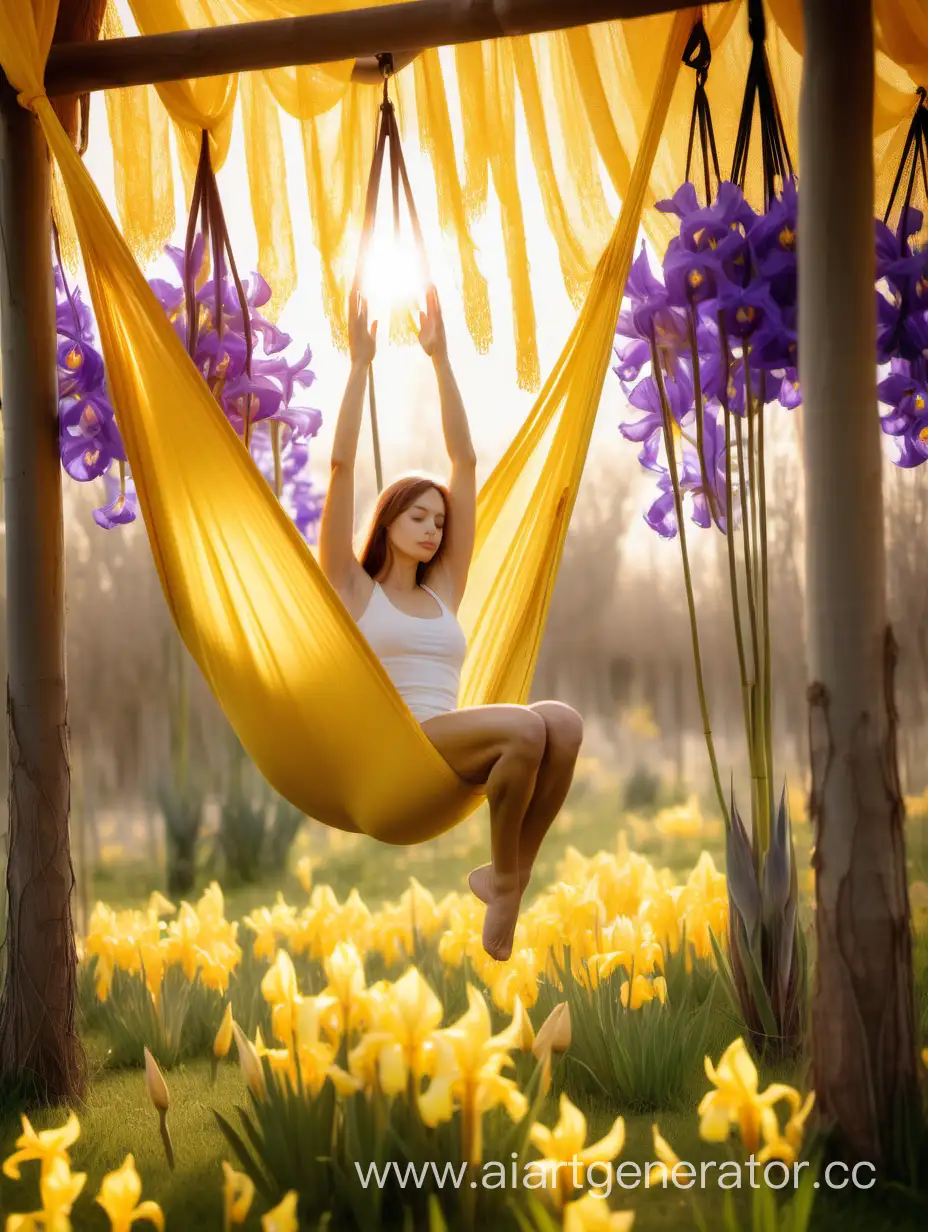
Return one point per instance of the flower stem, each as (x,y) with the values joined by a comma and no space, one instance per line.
(687,577)
(278,469)
(765,588)
(761,829)
(730,537)
(166,1137)
(711,499)
(752,616)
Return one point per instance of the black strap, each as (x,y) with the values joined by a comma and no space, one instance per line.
(206,203)
(697,55)
(776,161)
(914,153)
(388,131)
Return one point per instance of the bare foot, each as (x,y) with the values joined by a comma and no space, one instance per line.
(502,915)
(479,881)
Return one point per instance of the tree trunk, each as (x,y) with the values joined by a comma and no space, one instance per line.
(38,1040)
(864,1051)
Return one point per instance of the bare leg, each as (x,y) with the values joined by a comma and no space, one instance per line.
(564,735)
(501,746)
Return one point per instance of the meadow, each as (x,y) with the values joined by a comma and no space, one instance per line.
(370,1027)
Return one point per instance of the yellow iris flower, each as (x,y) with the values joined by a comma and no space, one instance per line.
(659,1171)
(737,1101)
(405,1019)
(466,1072)
(223,1041)
(119,1196)
(516,980)
(592,1214)
(47,1146)
(347,985)
(60,1188)
(564,1143)
(238,1191)
(283,1218)
(641,990)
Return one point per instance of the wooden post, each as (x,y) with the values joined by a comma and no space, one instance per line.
(864,1050)
(37,1009)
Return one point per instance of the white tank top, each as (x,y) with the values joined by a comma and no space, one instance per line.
(422,655)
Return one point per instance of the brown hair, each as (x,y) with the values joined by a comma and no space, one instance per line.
(393,501)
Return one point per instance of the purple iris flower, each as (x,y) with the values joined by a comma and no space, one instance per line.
(661,516)
(690,276)
(121,507)
(733,274)
(907,419)
(83,459)
(684,202)
(301,499)
(706,227)
(789,394)
(646,397)
(89,437)
(747,309)
(649,304)
(73,317)
(902,294)
(632,355)
(774,231)
(80,368)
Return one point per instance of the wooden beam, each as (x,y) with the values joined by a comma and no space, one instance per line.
(320,39)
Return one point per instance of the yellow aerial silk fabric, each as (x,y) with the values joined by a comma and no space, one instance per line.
(301,687)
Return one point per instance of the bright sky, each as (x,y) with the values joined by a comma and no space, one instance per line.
(406,394)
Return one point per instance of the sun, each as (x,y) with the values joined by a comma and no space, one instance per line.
(393,277)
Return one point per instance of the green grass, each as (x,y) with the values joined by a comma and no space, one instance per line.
(117,1118)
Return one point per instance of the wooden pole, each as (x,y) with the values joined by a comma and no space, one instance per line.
(319,39)
(864,1043)
(37,1009)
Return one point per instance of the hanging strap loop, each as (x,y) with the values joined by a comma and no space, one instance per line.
(698,52)
(388,131)
(776,161)
(205,203)
(915,150)
(697,55)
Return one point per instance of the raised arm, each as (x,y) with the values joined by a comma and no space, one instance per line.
(459,546)
(336,528)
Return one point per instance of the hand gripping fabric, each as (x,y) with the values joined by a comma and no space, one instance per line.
(306,695)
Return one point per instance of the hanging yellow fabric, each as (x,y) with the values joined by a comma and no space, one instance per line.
(301,687)
(610,69)
(144,183)
(200,104)
(267,184)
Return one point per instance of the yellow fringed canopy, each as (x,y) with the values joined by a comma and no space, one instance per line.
(585,96)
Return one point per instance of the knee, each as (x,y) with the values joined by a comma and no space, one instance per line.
(563,730)
(527,738)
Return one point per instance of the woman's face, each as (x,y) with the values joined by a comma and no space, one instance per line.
(418,530)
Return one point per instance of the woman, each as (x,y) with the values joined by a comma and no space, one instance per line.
(404,593)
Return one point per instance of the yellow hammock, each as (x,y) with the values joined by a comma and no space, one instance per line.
(306,695)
